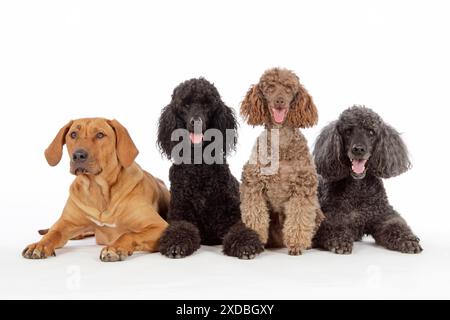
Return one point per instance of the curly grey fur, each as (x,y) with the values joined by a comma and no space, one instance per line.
(357,206)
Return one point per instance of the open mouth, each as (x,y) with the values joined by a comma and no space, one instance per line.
(279,114)
(196,137)
(359,168)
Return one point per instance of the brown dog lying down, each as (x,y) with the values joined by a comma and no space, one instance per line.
(111,195)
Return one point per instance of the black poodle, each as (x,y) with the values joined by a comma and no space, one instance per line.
(205,202)
(352,154)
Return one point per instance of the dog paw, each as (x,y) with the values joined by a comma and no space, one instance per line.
(248,252)
(295,251)
(111,254)
(242,242)
(410,246)
(38,251)
(176,251)
(339,246)
(181,239)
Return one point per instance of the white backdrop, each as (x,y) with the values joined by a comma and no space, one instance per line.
(61,60)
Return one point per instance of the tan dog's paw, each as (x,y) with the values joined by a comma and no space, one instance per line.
(38,251)
(295,251)
(111,254)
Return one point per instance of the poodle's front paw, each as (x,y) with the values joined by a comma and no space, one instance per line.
(339,246)
(295,251)
(177,251)
(180,240)
(410,246)
(111,254)
(249,252)
(242,242)
(38,251)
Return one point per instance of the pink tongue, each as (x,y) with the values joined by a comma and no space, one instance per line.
(196,138)
(358,166)
(279,115)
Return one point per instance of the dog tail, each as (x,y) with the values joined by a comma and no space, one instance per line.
(84,235)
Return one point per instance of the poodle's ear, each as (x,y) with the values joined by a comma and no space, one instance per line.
(252,108)
(167,125)
(303,113)
(223,120)
(390,156)
(328,154)
(53,153)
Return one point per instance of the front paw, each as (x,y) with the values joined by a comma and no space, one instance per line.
(410,246)
(180,240)
(242,242)
(111,254)
(339,246)
(249,251)
(295,251)
(177,251)
(38,251)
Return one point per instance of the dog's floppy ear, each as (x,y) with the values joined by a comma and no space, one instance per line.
(166,126)
(303,112)
(328,154)
(390,156)
(53,153)
(125,147)
(223,120)
(252,108)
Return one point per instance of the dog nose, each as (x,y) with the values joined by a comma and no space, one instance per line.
(80,156)
(279,102)
(358,150)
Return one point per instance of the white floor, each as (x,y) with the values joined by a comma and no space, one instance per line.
(73,59)
(370,272)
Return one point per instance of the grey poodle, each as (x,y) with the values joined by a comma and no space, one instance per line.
(352,155)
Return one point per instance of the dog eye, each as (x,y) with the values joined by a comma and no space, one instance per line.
(100,135)
(73,135)
(371,132)
(348,132)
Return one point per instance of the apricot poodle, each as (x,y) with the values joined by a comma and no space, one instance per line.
(279,183)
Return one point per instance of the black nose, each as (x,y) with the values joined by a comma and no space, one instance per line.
(358,150)
(279,101)
(80,156)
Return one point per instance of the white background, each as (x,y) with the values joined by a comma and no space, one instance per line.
(61,60)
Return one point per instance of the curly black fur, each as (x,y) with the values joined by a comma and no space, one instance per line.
(180,239)
(205,202)
(352,154)
(242,242)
